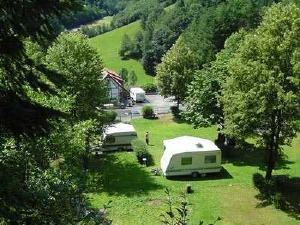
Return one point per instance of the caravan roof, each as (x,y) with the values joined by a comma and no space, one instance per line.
(119,128)
(137,90)
(188,144)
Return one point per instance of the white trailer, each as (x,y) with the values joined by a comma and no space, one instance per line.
(137,94)
(117,137)
(188,155)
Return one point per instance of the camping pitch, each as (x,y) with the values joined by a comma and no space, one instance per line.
(188,155)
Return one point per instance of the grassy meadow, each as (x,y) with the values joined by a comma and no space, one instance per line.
(108,45)
(138,197)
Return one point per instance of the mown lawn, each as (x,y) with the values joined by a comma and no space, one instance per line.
(138,197)
(108,45)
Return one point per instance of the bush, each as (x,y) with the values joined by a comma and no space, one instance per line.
(107,116)
(140,149)
(149,87)
(147,111)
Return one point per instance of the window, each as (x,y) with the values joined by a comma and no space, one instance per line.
(210,159)
(186,161)
(110,139)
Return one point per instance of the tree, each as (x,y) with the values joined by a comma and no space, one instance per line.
(20,20)
(137,45)
(124,74)
(174,73)
(261,96)
(80,66)
(132,78)
(203,105)
(126,47)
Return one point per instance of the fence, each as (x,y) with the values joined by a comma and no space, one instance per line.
(128,115)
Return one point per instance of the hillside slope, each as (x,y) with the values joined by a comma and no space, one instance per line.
(108,45)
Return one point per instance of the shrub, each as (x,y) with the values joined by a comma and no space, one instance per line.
(107,116)
(140,149)
(147,111)
(149,87)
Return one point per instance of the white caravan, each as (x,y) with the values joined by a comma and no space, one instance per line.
(117,137)
(137,94)
(188,155)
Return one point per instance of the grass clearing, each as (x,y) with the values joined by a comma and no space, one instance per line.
(104,21)
(138,197)
(108,45)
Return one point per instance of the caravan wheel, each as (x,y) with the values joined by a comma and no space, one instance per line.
(195,174)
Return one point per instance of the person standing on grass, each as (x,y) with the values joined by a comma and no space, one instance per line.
(147,138)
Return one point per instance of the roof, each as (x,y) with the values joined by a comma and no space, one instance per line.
(106,73)
(189,144)
(119,128)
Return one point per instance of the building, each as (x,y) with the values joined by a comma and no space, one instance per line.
(117,92)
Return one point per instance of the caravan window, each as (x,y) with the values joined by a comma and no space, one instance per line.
(110,139)
(186,161)
(210,159)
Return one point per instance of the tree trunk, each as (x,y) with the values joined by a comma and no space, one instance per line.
(270,167)
(270,149)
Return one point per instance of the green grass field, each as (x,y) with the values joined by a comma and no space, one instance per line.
(138,197)
(108,45)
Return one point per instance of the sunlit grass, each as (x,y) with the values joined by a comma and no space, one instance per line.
(108,45)
(138,197)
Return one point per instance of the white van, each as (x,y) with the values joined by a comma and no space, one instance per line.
(117,137)
(137,94)
(188,155)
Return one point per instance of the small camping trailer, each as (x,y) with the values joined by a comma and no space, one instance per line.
(117,137)
(188,155)
(137,94)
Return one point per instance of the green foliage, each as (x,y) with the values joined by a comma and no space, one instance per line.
(262,93)
(124,74)
(203,105)
(174,74)
(106,117)
(92,31)
(149,88)
(132,78)
(80,66)
(126,47)
(162,28)
(140,149)
(134,10)
(169,217)
(87,14)
(147,111)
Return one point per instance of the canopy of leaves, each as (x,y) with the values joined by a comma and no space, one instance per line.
(81,66)
(203,106)
(262,93)
(174,72)
(19,20)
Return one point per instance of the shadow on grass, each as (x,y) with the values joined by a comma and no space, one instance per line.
(224,174)
(247,154)
(282,191)
(109,174)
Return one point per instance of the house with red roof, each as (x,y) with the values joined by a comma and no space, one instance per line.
(117,92)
